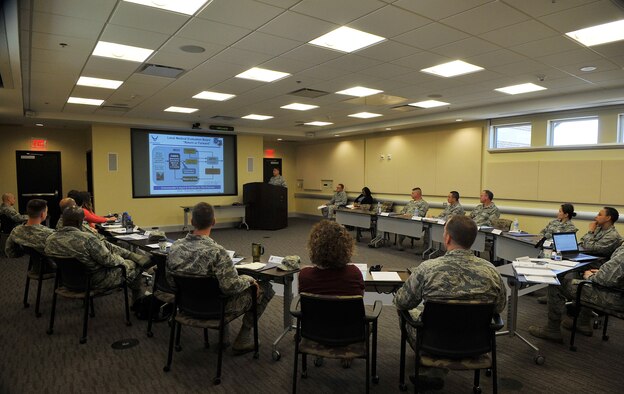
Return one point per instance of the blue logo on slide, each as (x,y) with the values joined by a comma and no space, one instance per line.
(154,137)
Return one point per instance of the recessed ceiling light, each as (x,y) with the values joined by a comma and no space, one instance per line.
(522,88)
(39,124)
(257,117)
(346,39)
(206,95)
(600,34)
(122,52)
(183,110)
(317,123)
(429,104)
(192,49)
(299,107)
(452,69)
(188,7)
(99,82)
(359,91)
(588,68)
(261,74)
(365,115)
(85,101)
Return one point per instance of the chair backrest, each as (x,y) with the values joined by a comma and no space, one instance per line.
(71,274)
(386,206)
(199,296)
(6,224)
(160,274)
(456,329)
(333,320)
(501,224)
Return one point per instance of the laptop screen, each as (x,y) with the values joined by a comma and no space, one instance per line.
(565,242)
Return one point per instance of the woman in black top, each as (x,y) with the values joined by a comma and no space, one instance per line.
(365,198)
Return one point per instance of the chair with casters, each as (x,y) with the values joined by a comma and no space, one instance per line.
(335,327)
(602,308)
(74,280)
(160,290)
(40,268)
(200,303)
(452,334)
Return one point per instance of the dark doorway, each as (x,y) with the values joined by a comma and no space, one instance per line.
(269,165)
(39,176)
(90,175)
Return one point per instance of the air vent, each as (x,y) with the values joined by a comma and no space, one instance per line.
(224,118)
(160,71)
(310,93)
(114,108)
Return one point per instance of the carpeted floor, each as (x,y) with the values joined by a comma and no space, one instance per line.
(33,362)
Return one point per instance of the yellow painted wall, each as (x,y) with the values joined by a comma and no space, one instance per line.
(113,190)
(73,145)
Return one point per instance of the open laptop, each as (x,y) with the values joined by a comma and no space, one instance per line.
(567,245)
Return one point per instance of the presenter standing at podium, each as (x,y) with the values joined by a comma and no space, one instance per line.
(277,179)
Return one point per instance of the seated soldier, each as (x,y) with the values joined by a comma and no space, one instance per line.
(8,210)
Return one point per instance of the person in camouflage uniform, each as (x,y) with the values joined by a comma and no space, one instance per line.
(32,234)
(338,200)
(453,207)
(484,213)
(7,209)
(199,254)
(70,202)
(416,207)
(563,223)
(70,242)
(277,179)
(609,274)
(458,275)
(602,238)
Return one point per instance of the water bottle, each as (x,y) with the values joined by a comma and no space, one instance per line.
(516,226)
(555,256)
(378,208)
(124,219)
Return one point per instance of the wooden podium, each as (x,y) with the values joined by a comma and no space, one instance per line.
(266,206)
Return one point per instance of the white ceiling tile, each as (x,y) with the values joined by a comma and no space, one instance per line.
(322,72)
(341,12)
(388,51)
(51,42)
(66,26)
(547,46)
(540,7)
(243,13)
(280,3)
(93,10)
(569,57)
(386,70)
(518,68)
(147,18)
(297,27)
(267,43)
(613,49)
(436,9)
(69,74)
(353,63)
(600,64)
(291,66)
(129,36)
(495,58)
(236,86)
(584,16)
(431,36)
(377,22)
(520,33)
(102,67)
(61,58)
(242,57)
(174,57)
(90,92)
(312,54)
(462,49)
(213,32)
(422,60)
(485,18)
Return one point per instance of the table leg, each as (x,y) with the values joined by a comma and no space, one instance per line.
(287,319)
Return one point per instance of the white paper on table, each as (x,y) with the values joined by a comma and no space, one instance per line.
(534,271)
(155,246)
(385,276)
(251,266)
(230,253)
(527,264)
(363,269)
(122,230)
(237,260)
(551,280)
(276,259)
(350,206)
(111,225)
(321,207)
(131,237)
(497,231)
(523,258)
(441,221)
(547,244)
(417,218)
(384,214)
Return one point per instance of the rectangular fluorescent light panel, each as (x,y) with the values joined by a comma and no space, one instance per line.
(206,95)
(261,74)
(99,82)
(365,115)
(85,101)
(522,88)
(188,7)
(299,107)
(600,34)
(359,91)
(429,104)
(257,117)
(182,110)
(346,39)
(317,123)
(452,69)
(122,52)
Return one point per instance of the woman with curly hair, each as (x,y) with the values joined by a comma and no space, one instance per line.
(331,248)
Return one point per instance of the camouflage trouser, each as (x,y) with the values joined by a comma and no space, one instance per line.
(118,250)
(241,303)
(112,278)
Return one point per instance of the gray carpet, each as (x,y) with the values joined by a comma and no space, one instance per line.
(33,362)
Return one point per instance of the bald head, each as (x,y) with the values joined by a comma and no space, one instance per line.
(66,203)
(8,199)
(73,217)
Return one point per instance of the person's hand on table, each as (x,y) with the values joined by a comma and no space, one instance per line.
(589,273)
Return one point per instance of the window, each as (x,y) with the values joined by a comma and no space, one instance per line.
(511,136)
(577,131)
(620,128)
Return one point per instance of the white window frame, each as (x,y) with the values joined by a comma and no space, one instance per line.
(620,129)
(494,132)
(551,136)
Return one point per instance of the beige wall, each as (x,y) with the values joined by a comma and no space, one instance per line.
(113,190)
(73,145)
(287,151)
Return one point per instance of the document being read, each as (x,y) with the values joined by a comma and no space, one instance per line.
(385,276)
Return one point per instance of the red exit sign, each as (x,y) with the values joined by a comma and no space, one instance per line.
(38,144)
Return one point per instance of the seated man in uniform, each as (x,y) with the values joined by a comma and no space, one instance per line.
(338,200)
(602,238)
(277,179)
(484,213)
(452,208)
(458,275)
(8,210)
(32,234)
(198,254)
(70,242)
(416,207)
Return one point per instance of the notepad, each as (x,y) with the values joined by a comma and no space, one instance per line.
(276,259)
(550,280)
(154,246)
(363,269)
(385,276)
(251,266)
(131,237)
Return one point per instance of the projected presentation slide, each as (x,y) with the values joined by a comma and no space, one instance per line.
(184,164)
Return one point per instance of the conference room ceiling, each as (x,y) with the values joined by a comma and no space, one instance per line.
(515,41)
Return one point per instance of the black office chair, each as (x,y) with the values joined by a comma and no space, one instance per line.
(6,226)
(596,305)
(73,280)
(199,302)
(161,290)
(335,327)
(40,268)
(458,335)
